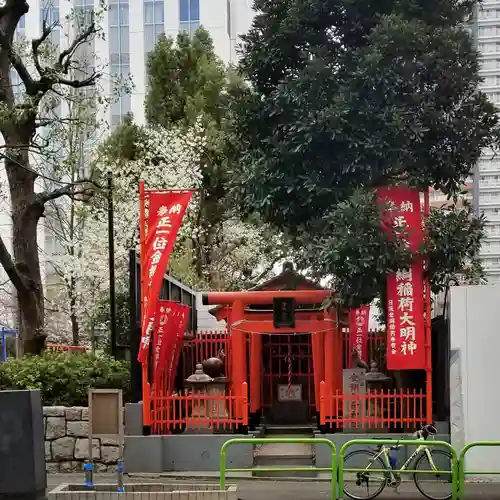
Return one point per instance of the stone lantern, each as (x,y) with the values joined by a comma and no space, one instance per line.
(376,381)
(198,383)
(217,390)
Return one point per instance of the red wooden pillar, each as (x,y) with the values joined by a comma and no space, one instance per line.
(428,328)
(255,371)
(329,357)
(338,359)
(337,365)
(239,361)
(318,349)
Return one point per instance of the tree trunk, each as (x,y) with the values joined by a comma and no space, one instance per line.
(72,284)
(75,329)
(26,213)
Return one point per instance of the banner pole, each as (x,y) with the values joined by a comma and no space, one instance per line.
(146,400)
(428,323)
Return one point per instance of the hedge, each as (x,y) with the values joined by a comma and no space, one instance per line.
(64,378)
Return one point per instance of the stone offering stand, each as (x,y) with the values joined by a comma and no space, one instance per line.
(67,445)
(146,491)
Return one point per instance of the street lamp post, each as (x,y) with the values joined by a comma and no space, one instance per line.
(111,249)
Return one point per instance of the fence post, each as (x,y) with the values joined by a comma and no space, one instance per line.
(461,464)
(4,346)
(252,441)
(322,403)
(244,403)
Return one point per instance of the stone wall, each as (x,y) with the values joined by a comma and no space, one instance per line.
(67,443)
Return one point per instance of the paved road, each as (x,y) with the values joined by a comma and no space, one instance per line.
(292,490)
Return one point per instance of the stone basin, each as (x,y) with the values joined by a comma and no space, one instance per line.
(144,491)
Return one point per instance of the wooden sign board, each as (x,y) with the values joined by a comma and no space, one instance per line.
(106,416)
(65,348)
(292,393)
(354,385)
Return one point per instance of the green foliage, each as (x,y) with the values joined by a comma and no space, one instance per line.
(455,236)
(348,96)
(102,316)
(350,246)
(64,378)
(189,82)
(124,142)
(186,79)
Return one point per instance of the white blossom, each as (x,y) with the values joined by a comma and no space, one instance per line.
(168,159)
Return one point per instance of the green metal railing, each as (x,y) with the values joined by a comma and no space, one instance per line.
(461,464)
(457,471)
(314,441)
(403,442)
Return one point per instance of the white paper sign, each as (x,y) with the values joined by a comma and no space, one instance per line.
(294,393)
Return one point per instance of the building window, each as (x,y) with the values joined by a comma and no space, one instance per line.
(189,11)
(119,54)
(489,13)
(154,23)
(49,15)
(490,64)
(489,48)
(84,13)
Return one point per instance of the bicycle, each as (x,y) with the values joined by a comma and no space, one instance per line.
(385,462)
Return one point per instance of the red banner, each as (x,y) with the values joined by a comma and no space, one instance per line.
(358,332)
(180,321)
(405,288)
(170,323)
(166,210)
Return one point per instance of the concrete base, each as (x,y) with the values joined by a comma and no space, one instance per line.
(22,451)
(133,419)
(323,452)
(200,452)
(155,491)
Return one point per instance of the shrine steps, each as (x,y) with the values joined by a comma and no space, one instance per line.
(285,455)
(289,430)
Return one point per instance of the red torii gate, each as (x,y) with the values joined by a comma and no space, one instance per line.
(326,337)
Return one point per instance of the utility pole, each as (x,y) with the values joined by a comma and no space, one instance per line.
(112,280)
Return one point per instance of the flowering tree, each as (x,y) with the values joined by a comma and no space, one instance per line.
(166,158)
(35,81)
(187,81)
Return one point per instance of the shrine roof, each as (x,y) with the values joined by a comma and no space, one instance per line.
(288,279)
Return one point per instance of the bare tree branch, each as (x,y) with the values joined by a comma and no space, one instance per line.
(65,57)
(16,61)
(51,76)
(78,84)
(11,269)
(86,187)
(44,122)
(35,45)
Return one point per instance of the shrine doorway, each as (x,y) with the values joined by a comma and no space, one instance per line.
(287,390)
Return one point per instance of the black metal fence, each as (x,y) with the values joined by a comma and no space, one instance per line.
(171,290)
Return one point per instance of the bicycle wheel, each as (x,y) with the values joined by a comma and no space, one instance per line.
(441,489)
(372,483)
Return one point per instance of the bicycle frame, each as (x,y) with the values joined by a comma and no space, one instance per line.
(384,455)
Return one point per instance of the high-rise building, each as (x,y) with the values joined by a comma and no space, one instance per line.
(131,28)
(486,179)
